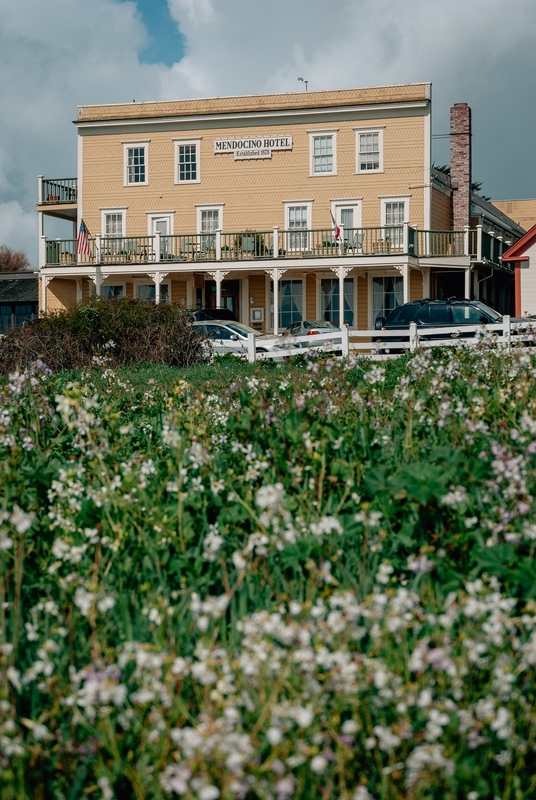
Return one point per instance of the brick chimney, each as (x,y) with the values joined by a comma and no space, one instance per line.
(460,164)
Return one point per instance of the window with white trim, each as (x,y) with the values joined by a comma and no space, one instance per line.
(113,224)
(297,222)
(290,302)
(323,154)
(110,291)
(147,291)
(136,167)
(369,144)
(113,228)
(387,294)
(187,161)
(395,213)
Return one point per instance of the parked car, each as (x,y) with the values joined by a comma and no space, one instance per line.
(431,314)
(232,337)
(201,314)
(312,328)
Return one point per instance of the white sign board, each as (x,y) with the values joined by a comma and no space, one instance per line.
(253,147)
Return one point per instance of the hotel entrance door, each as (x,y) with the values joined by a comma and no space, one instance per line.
(230,296)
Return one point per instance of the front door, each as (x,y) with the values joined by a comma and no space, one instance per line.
(230,296)
(162,225)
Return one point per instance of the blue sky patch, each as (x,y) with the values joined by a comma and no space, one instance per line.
(167,43)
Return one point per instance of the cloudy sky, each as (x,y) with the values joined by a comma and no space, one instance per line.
(58,54)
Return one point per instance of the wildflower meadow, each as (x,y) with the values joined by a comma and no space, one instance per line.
(311,581)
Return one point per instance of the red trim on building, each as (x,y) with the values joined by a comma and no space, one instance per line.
(516,252)
(517,289)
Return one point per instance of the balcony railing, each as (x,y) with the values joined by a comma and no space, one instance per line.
(275,244)
(56,191)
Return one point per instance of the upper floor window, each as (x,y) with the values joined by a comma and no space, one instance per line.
(187,161)
(136,173)
(323,153)
(113,224)
(369,150)
(395,212)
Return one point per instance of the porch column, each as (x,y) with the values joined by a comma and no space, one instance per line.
(341,273)
(275,274)
(156,277)
(425,282)
(98,281)
(44,284)
(405,279)
(218,275)
(467,288)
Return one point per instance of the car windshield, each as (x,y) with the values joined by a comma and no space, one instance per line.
(240,328)
(487,310)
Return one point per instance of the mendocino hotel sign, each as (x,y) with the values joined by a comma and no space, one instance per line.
(253,147)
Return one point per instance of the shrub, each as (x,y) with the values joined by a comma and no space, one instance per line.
(119,332)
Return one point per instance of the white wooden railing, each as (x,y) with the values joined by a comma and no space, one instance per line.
(377,345)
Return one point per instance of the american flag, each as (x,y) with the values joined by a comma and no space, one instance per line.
(82,243)
(337,229)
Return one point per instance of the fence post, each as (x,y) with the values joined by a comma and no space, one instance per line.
(218,245)
(413,339)
(40,198)
(275,253)
(345,348)
(341,240)
(157,247)
(97,248)
(405,237)
(507,331)
(252,349)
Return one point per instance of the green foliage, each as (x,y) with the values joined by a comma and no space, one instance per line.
(118,332)
(306,580)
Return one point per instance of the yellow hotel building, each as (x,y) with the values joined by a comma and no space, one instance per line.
(285,201)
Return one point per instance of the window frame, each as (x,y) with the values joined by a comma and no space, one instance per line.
(122,284)
(143,282)
(308,204)
(315,135)
(363,132)
(129,146)
(122,212)
(387,273)
(177,144)
(209,207)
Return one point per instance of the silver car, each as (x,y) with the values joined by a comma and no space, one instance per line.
(232,337)
(312,328)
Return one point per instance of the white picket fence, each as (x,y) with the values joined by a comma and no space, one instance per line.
(375,343)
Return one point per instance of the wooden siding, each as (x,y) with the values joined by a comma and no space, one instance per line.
(415,284)
(440,211)
(362,303)
(61,294)
(310,297)
(521,211)
(178,292)
(256,103)
(253,191)
(257,290)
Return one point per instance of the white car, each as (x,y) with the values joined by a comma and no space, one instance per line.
(232,337)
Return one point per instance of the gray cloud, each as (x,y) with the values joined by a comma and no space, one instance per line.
(57,55)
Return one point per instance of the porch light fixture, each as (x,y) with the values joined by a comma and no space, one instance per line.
(251,301)
(305,82)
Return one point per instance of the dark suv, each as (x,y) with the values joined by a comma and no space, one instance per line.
(430,314)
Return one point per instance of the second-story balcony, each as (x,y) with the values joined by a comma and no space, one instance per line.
(56,191)
(284,245)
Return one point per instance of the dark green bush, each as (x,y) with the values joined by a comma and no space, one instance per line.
(123,332)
